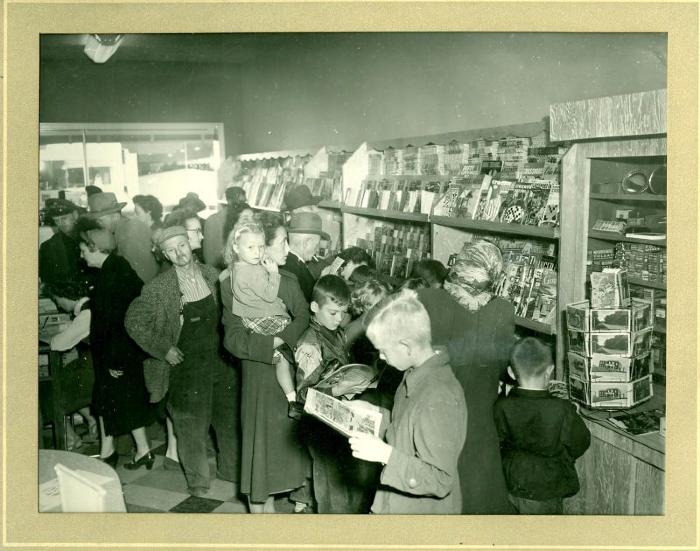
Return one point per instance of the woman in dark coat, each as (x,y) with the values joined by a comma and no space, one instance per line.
(119,395)
(273,459)
(479,332)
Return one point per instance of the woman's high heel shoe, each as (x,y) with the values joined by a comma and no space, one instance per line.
(112,459)
(147,460)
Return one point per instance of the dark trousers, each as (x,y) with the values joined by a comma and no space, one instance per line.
(197,405)
(341,483)
(534,507)
(204,392)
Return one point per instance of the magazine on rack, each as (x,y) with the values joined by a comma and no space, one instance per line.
(345,416)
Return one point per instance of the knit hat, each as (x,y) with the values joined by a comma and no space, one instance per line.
(163,234)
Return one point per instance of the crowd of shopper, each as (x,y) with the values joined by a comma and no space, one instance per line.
(228,323)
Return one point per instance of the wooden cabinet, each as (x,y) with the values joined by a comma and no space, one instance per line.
(619,474)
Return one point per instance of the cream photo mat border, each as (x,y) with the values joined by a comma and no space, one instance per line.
(23,526)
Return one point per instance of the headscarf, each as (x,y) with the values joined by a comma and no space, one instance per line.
(471,279)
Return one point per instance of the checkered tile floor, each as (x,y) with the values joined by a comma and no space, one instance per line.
(160,490)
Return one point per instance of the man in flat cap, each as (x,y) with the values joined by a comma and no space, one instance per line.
(61,271)
(133,237)
(305,233)
(176,320)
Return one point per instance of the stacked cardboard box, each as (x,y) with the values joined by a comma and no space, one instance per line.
(645,262)
(609,353)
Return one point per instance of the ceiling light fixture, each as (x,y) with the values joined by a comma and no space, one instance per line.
(100,47)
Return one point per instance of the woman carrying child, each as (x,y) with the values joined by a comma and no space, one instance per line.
(273,459)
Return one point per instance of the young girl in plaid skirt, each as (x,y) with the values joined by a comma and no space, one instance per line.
(255,281)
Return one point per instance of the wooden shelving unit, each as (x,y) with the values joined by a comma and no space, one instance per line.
(628,197)
(362,166)
(595,127)
(416,177)
(610,236)
(609,134)
(539,232)
(333,205)
(387,214)
(650,284)
(537,326)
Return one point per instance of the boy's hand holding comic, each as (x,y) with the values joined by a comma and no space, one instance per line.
(370,448)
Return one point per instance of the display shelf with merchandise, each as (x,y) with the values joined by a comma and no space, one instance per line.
(615,139)
(611,236)
(387,214)
(541,232)
(629,197)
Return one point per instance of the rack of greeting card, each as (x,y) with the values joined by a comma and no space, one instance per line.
(609,344)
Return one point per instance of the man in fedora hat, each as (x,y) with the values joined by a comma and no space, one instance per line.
(299,199)
(176,321)
(133,237)
(61,271)
(305,233)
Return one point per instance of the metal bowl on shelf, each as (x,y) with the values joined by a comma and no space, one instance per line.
(635,182)
(657,181)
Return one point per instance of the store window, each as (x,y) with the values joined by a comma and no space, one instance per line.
(164,160)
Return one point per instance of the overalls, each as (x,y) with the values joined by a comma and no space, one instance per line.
(203,392)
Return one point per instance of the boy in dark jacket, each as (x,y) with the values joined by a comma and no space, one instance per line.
(541,436)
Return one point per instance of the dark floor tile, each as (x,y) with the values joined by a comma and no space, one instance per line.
(196,505)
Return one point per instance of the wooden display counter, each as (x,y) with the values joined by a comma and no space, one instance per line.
(620,473)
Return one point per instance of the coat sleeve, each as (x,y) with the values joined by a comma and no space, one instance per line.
(134,244)
(296,304)
(575,434)
(238,339)
(125,286)
(139,322)
(499,416)
(438,436)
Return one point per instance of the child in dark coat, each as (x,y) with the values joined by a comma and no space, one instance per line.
(541,436)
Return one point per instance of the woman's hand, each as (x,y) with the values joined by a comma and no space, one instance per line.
(116,373)
(174,356)
(370,448)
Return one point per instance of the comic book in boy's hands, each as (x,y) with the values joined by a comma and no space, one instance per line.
(346,417)
(355,376)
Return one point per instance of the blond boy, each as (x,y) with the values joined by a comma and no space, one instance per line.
(428,423)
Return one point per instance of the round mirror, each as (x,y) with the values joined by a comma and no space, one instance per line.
(657,181)
(635,182)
